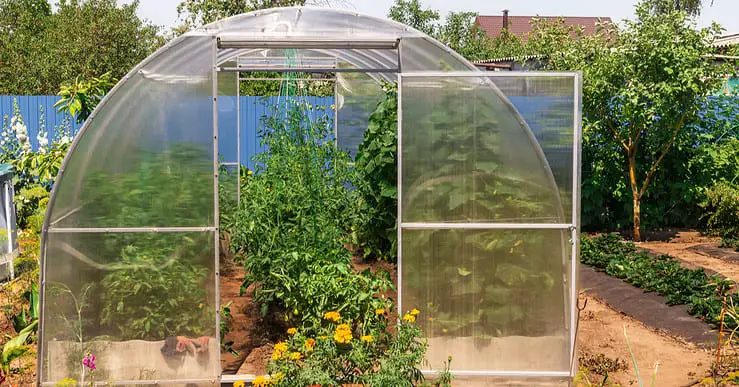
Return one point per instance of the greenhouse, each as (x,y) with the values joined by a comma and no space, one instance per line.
(487,198)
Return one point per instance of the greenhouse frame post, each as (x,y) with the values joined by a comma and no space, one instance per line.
(238,136)
(217,234)
(576,186)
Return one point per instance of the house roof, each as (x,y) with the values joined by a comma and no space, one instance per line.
(521,25)
(726,40)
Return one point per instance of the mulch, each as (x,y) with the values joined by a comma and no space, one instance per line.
(648,308)
(712,250)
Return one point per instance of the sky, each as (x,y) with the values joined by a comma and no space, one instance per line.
(725,12)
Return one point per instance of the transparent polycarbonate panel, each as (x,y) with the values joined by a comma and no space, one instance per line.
(143,303)
(547,104)
(493,300)
(358,96)
(468,156)
(144,159)
(227,116)
(420,52)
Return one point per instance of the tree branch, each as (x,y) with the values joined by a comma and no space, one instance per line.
(668,146)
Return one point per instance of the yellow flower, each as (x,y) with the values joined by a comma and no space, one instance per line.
(332,316)
(368,339)
(343,334)
(409,318)
(260,381)
(415,312)
(239,383)
(379,311)
(310,344)
(322,337)
(279,351)
(249,172)
(292,331)
(296,356)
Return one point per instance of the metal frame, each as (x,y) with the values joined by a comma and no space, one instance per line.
(216,210)
(573,227)
(229,41)
(309,70)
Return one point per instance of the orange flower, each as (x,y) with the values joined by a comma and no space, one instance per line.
(279,350)
(343,334)
(379,311)
(310,344)
(368,339)
(409,318)
(332,316)
(292,331)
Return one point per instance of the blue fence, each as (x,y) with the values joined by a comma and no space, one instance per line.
(30,107)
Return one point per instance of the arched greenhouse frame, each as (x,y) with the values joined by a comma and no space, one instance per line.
(144,171)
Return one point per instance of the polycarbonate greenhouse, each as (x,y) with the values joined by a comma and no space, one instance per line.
(137,197)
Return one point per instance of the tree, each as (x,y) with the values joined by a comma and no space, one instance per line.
(462,35)
(691,7)
(459,31)
(22,26)
(199,12)
(643,85)
(410,13)
(85,38)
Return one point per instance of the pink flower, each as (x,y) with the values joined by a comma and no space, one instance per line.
(89,361)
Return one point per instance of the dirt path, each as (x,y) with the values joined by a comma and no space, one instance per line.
(601,331)
(682,252)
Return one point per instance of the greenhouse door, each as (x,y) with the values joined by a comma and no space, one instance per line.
(488,207)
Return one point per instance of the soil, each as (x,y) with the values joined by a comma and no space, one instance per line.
(601,331)
(687,247)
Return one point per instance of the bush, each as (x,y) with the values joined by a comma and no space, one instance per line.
(722,210)
(663,274)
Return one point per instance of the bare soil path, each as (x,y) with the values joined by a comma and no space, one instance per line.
(601,331)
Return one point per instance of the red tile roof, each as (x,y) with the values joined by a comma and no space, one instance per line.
(521,25)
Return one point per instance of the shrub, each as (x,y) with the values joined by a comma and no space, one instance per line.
(722,210)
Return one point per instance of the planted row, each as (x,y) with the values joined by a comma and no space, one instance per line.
(663,274)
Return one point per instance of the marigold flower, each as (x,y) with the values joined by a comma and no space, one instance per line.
(332,316)
(379,311)
(239,383)
(310,344)
(343,334)
(409,318)
(292,331)
(415,312)
(368,339)
(279,350)
(296,356)
(261,381)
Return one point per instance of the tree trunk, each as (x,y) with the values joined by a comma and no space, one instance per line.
(635,194)
(637,218)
